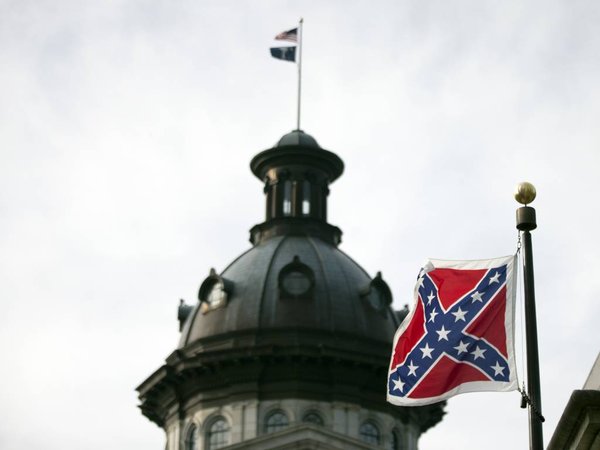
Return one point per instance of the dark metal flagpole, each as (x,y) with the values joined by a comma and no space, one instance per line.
(299,69)
(526,222)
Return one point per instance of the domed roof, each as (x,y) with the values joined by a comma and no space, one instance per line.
(292,282)
(298,138)
(292,318)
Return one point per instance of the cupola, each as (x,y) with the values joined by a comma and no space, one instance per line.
(296,173)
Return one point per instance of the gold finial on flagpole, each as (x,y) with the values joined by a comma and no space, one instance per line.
(525,193)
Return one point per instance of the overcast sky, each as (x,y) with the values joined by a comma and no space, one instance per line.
(126,129)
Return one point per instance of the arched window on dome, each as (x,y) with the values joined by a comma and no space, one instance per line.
(287,198)
(276,421)
(313,417)
(191,438)
(369,433)
(217,435)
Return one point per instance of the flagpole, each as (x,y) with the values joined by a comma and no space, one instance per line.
(299,69)
(526,222)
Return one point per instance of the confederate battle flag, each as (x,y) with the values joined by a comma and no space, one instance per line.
(458,337)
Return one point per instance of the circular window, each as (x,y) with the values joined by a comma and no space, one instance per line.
(296,282)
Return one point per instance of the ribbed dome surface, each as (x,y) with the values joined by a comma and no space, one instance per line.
(337,303)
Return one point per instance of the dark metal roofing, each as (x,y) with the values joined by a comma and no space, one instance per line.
(298,138)
(254,302)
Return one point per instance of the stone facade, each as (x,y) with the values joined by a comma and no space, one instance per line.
(248,428)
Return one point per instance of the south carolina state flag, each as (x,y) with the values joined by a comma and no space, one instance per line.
(458,337)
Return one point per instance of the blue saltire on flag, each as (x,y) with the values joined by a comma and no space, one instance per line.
(285,53)
(458,336)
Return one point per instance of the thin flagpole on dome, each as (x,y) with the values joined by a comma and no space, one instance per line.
(299,70)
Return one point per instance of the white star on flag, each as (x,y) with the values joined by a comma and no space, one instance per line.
(461,348)
(476,297)
(442,333)
(430,297)
(495,278)
(432,315)
(459,315)
(478,353)
(398,384)
(412,369)
(498,369)
(426,351)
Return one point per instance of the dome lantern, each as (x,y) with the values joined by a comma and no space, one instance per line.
(297,173)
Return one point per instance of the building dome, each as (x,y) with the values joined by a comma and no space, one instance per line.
(294,282)
(291,342)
